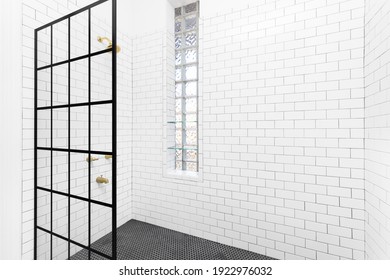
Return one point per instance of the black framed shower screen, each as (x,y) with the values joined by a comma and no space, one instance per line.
(48,230)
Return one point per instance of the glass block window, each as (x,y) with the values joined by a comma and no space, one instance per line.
(186,94)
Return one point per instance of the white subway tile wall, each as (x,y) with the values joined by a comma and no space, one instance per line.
(35,14)
(377,82)
(282,135)
(283,87)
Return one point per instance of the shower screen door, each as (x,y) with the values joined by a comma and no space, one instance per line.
(75,153)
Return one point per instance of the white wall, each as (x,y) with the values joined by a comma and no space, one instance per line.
(377,83)
(282,131)
(11,130)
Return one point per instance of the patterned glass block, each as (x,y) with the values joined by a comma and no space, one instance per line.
(191,39)
(179,165)
(191,125)
(178,25)
(192,166)
(191,118)
(179,117)
(178,58)
(191,137)
(179,125)
(177,12)
(178,41)
(191,72)
(191,155)
(191,89)
(178,74)
(179,90)
(190,22)
(178,106)
(179,154)
(190,8)
(179,137)
(191,105)
(191,56)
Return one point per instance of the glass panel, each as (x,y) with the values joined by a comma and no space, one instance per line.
(191,125)
(192,166)
(178,12)
(191,89)
(79,174)
(43,169)
(190,8)
(79,221)
(179,90)
(44,88)
(178,25)
(178,74)
(179,139)
(191,118)
(60,172)
(191,105)
(44,47)
(101,77)
(178,58)
(191,137)
(43,209)
(78,253)
(60,85)
(60,249)
(60,215)
(101,128)
(179,117)
(101,227)
(101,26)
(79,35)
(191,72)
(101,168)
(191,56)
(179,165)
(60,41)
(178,41)
(191,39)
(79,81)
(79,128)
(43,245)
(179,155)
(191,155)
(44,128)
(178,106)
(60,128)
(190,22)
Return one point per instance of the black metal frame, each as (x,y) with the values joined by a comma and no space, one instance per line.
(89,152)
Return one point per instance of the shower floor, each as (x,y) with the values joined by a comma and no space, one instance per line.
(141,241)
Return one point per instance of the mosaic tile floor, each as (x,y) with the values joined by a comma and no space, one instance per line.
(141,241)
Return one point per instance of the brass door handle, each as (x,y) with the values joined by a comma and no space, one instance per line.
(102,180)
(108,157)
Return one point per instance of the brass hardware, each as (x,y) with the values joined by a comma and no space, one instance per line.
(92,159)
(102,180)
(108,157)
(101,39)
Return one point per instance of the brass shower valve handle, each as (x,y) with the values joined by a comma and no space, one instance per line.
(109,46)
(92,159)
(102,180)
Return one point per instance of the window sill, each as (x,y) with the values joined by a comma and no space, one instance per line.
(183,175)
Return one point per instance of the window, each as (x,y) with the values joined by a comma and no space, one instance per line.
(186,83)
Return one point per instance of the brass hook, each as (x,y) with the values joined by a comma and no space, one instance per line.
(101,39)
